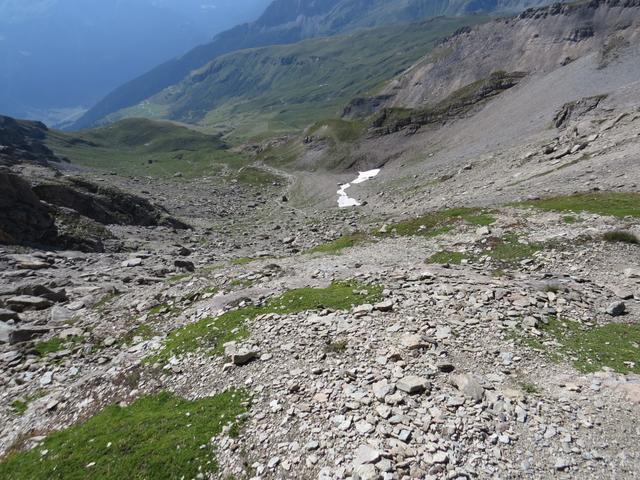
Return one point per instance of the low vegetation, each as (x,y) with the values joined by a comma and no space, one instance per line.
(159,436)
(615,204)
(615,345)
(147,147)
(54,345)
(506,250)
(336,246)
(211,334)
(620,236)
(437,223)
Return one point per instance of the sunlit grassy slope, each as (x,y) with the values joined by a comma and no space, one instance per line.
(266,91)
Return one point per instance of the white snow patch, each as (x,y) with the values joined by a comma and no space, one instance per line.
(345,200)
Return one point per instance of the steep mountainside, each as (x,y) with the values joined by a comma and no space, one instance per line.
(284,88)
(536,42)
(284,22)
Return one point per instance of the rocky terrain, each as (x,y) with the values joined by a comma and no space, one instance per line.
(476,317)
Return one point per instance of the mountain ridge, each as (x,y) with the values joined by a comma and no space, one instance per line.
(286,22)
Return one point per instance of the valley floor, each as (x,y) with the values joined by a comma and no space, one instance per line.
(488,344)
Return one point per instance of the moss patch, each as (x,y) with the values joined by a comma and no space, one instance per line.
(336,246)
(212,333)
(54,345)
(615,345)
(509,249)
(614,204)
(620,236)
(159,436)
(437,223)
(447,256)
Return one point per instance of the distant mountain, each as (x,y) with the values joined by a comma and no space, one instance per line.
(286,22)
(58,56)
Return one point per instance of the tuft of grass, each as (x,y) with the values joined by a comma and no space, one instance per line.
(19,407)
(258,176)
(438,223)
(212,333)
(570,219)
(620,236)
(509,249)
(54,345)
(613,204)
(106,300)
(144,331)
(158,436)
(178,278)
(615,345)
(242,261)
(339,346)
(446,256)
(336,246)
(528,387)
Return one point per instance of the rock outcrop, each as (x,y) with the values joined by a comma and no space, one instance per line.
(23,217)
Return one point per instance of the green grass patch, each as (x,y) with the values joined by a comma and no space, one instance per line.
(144,331)
(620,236)
(336,246)
(54,345)
(339,346)
(438,223)
(258,177)
(212,333)
(506,251)
(613,204)
(178,278)
(509,249)
(138,146)
(615,345)
(570,219)
(447,256)
(157,437)
(242,261)
(19,407)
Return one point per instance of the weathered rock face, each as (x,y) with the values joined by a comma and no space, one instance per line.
(23,217)
(540,40)
(104,204)
(23,140)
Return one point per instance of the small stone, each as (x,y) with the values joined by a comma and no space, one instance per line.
(185,265)
(413,342)
(562,464)
(365,472)
(132,262)
(616,309)
(382,389)
(6,315)
(46,379)
(469,387)
(366,455)
(412,384)
(27,302)
(385,306)
(239,354)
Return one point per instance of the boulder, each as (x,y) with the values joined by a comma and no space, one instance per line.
(412,384)
(468,386)
(23,303)
(6,315)
(24,219)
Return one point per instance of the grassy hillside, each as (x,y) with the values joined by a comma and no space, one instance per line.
(287,22)
(272,90)
(146,147)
